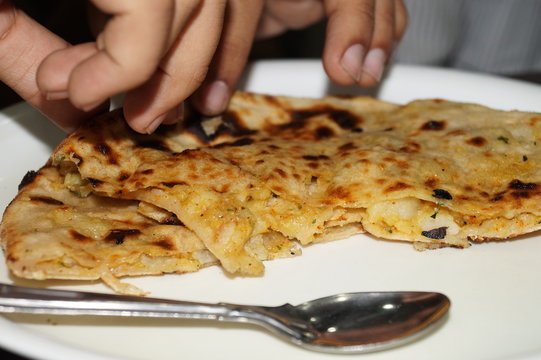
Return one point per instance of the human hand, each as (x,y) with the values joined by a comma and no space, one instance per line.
(361,34)
(159,53)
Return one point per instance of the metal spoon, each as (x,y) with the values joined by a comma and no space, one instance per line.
(344,323)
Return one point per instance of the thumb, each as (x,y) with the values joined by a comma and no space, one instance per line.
(24,44)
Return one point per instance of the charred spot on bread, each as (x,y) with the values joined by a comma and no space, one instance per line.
(442,194)
(411,147)
(123,176)
(153,144)
(94,182)
(46,200)
(345,119)
(28,178)
(173,220)
(165,244)
(233,125)
(519,185)
(477,141)
(324,132)
(521,194)
(104,149)
(240,142)
(229,124)
(437,233)
(77,236)
(171,184)
(347,146)
(315,157)
(118,235)
(399,185)
(78,158)
(432,182)
(434,125)
(280,172)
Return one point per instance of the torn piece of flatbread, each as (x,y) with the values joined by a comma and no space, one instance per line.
(50,232)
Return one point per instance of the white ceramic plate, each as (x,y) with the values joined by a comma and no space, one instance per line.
(494,287)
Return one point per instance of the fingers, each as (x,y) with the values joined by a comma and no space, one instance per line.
(163,51)
(160,59)
(23,46)
(361,36)
(127,53)
(181,72)
(231,56)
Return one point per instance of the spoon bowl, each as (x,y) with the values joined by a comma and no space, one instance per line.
(343,323)
(359,322)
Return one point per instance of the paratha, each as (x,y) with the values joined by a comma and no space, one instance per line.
(431,172)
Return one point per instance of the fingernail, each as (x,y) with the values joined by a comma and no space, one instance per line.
(352,61)
(155,123)
(374,63)
(56,95)
(216,97)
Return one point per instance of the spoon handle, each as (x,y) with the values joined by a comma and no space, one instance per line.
(16,299)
